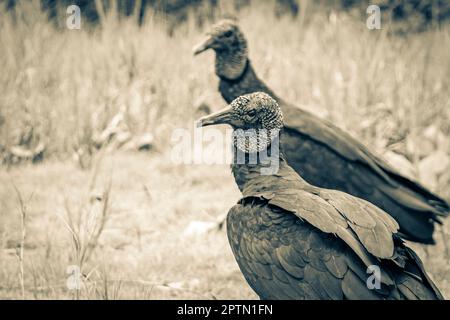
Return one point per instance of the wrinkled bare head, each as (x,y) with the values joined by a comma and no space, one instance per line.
(229,43)
(256,118)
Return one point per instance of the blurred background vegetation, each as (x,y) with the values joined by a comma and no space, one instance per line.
(421,13)
(77,106)
(63,97)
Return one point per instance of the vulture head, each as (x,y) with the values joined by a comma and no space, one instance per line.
(256,119)
(230,46)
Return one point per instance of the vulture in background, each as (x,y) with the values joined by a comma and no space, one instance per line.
(323,154)
(292,240)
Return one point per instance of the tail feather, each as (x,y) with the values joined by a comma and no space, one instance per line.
(436,293)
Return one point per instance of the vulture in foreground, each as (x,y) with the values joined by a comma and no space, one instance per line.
(322,153)
(292,240)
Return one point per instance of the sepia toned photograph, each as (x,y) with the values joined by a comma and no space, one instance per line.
(235,150)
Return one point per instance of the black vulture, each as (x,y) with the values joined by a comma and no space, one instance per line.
(323,154)
(292,240)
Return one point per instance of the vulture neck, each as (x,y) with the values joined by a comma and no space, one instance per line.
(263,170)
(241,83)
(231,63)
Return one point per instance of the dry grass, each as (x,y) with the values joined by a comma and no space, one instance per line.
(143,247)
(62,87)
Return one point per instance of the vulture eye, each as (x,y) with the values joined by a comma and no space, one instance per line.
(228,34)
(251,113)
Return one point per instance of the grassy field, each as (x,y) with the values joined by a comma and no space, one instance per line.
(128,218)
(145,250)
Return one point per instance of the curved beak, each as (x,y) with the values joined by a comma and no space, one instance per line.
(203,46)
(220,117)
